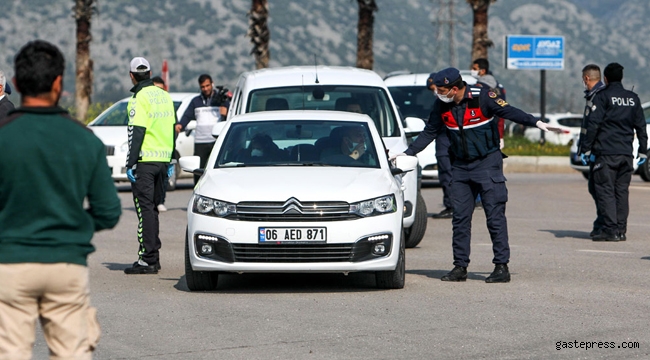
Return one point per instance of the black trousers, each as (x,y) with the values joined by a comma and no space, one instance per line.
(203,151)
(147,193)
(484,177)
(598,223)
(612,175)
(444,176)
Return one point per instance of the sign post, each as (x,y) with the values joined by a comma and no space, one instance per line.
(535,52)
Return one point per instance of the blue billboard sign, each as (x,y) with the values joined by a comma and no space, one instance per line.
(533,52)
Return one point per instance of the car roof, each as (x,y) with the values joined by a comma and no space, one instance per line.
(176,96)
(316,115)
(419,79)
(309,75)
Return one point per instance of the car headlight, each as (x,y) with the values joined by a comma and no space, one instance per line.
(211,207)
(381,205)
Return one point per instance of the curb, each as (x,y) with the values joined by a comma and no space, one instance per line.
(537,164)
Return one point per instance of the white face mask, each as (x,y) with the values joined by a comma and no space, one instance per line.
(585,85)
(474,73)
(257,152)
(445,98)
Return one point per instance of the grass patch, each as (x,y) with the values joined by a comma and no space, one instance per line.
(519,145)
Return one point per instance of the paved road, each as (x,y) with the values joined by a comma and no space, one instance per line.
(565,288)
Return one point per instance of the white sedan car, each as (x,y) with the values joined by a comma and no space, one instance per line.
(286,191)
(111,128)
(568,123)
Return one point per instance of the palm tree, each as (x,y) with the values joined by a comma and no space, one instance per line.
(259,33)
(83,11)
(480,40)
(365,57)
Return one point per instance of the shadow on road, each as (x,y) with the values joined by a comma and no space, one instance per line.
(645,258)
(437,274)
(116,266)
(569,234)
(290,283)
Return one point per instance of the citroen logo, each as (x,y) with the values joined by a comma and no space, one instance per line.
(292,206)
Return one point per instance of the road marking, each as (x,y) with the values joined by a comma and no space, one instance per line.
(606,251)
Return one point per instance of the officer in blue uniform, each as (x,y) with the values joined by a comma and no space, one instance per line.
(616,114)
(467,115)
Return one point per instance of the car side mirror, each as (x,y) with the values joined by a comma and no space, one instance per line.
(191,164)
(218,128)
(190,126)
(404,164)
(414,126)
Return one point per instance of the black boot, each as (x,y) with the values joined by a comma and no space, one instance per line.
(458,273)
(447,213)
(499,275)
(141,267)
(605,236)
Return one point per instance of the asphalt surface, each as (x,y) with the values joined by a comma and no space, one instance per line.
(565,288)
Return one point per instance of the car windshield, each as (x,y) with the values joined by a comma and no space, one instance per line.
(372,101)
(116,115)
(415,101)
(298,143)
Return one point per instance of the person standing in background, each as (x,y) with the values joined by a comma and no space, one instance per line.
(51,164)
(5,104)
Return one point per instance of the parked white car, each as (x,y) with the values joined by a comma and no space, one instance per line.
(568,123)
(111,128)
(414,99)
(338,88)
(644,171)
(284,192)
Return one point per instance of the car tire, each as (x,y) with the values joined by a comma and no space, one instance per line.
(394,279)
(415,233)
(644,171)
(585,174)
(171,182)
(198,280)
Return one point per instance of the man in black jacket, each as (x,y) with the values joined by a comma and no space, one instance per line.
(5,104)
(616,114)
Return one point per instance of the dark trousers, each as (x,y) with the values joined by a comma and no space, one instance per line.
(444,176)
(598,223)
(612,175)
(147,193)
(484,177)
(203,151)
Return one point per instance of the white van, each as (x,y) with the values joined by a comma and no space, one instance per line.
(335,88)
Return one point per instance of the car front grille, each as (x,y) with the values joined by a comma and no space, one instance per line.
(292,252)
(110,150)
(293,210)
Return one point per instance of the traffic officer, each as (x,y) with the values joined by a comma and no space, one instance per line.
(467,113)
(616,114)
(151,145)
(593,84)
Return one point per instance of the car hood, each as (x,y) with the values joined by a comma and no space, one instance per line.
(304,183)
(110,135)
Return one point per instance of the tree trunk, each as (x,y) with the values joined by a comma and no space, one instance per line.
(259,33)
(365,57)
(84,64)
(480,40)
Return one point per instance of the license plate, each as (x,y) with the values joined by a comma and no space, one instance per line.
(292,234)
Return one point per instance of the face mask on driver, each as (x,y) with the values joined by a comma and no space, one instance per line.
(474,73)
(257,152)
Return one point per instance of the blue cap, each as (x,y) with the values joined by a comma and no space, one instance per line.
(446,76)
(7,88)
(430,79)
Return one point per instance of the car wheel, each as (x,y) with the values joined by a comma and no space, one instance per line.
(198,280)
(171,182)
(394,279)
(415,233)
(644,171)
(585,174)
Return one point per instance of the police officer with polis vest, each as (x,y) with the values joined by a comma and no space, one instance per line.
(616,114)
(152,118)
(593,84)
(468,115)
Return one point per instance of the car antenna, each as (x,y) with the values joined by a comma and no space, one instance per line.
(316,67)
